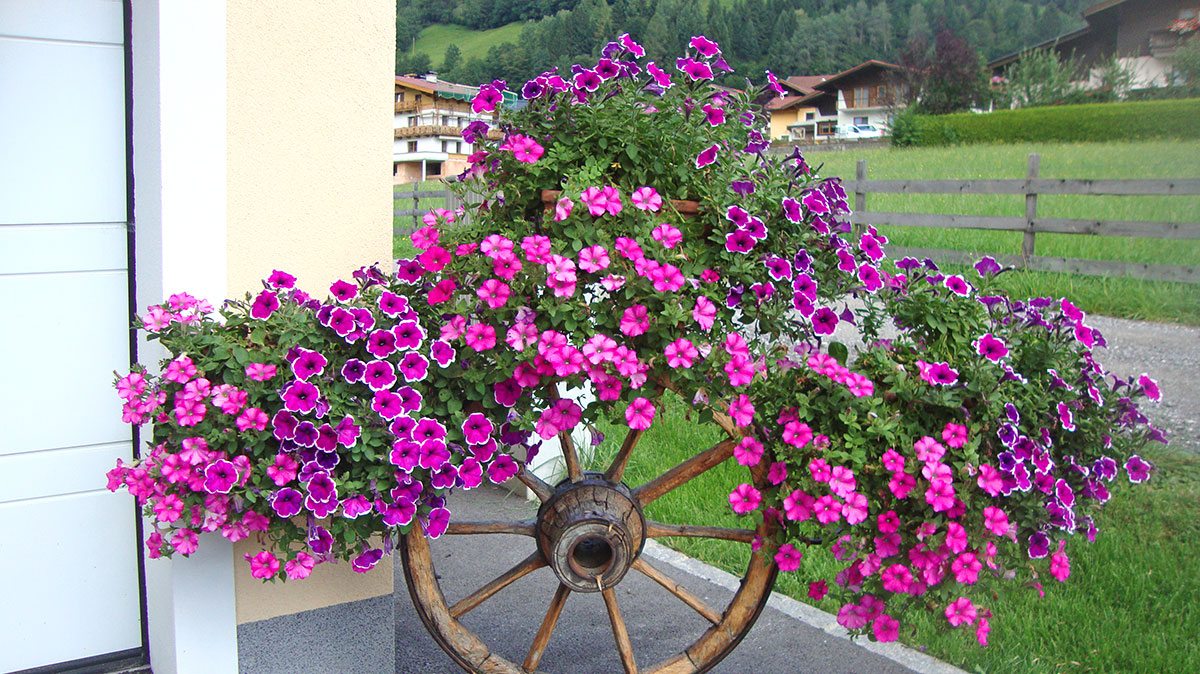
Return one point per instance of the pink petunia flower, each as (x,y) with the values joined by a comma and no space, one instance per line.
(741,411)
(681,353)
(748,452)
(646,199)
(668,235)
(744,499)
(640,414)
(961,612)
(594,259)
(788,558)
(635,320)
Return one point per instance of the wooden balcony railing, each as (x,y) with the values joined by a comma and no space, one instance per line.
(427,130)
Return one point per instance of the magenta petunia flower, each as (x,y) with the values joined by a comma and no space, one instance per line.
(739,241)
(958,285)
(886,628)
(480,337)
(714,114)
(640,414)
(788,558)
(668,235)
(220,476)
(379,375)
(413,367)
(824,321)
(343,291)
(990,347)
(502,469)
(681,353)
(704,46)
(300,396)
(525,149)
(260,371)
(1149,388)
(707,156)
(744,499)
(961,612)
(367,560)
(1138,469)
(741,411)
(265,304)
(476,428)
(661,77)
(635,320)
(748,452)
(798,506)
(827,509)
(646,198)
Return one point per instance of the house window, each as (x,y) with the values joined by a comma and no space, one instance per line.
(400,97)
(412,121)
(861,121)
(810,116)
(433,168)
(458,147)
(445,146)
(862,98)
(445,120)
(826,128)
(412,146)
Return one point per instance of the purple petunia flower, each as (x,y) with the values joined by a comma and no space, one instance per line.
(707,156)
(824,321)
(987,266)
(1138,469)
(992,348)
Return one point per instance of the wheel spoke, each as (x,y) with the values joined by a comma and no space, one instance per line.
(684,472)
(466,528)
(662,529)
(531,563)
(542,639)
(624,647)
(616,470)
(570,456)
(678,590)
(535,484)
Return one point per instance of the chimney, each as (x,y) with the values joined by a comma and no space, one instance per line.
(430,76)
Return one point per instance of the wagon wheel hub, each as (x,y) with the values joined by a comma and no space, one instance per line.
(590,532)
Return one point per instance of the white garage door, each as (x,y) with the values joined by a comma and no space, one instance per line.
(68,555)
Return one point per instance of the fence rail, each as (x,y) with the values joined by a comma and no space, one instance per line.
(410,203)
(1031,188)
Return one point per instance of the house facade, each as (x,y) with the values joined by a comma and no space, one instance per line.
(820,107)
(1142,34)
(150,147)
(430,117)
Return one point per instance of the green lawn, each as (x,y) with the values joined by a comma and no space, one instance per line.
(1174,302)
(1129,606)
(434,39)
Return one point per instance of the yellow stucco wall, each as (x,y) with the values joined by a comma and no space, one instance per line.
(309,174)
(782,119)
(309,155)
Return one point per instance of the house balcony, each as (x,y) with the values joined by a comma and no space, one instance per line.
(426,130)
(1164,42)
(406,106)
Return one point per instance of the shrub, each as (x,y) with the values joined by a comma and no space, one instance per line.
(1142,120)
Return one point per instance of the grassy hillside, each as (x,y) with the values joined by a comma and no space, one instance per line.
(434,39)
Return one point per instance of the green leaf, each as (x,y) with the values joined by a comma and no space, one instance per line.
(839,352)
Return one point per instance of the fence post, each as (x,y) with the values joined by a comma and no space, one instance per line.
(860,195)
(1035,162)
(416,198)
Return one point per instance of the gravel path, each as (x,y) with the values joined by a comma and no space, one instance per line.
(1171,355)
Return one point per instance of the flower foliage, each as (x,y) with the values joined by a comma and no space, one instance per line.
(962,442)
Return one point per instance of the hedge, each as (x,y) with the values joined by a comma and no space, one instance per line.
(1140,120)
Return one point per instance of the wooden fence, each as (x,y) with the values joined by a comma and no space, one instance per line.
(408,219)
(1032,224)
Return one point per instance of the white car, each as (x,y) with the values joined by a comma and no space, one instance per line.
(860,131)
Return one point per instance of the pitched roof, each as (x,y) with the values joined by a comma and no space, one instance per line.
(436,86)
(803,84)
(828,83)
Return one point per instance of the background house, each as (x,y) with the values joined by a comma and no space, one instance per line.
(822,105)
(1137,32)
(151,147)
(430,117)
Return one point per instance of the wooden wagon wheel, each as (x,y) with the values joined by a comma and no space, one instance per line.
(590,530)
